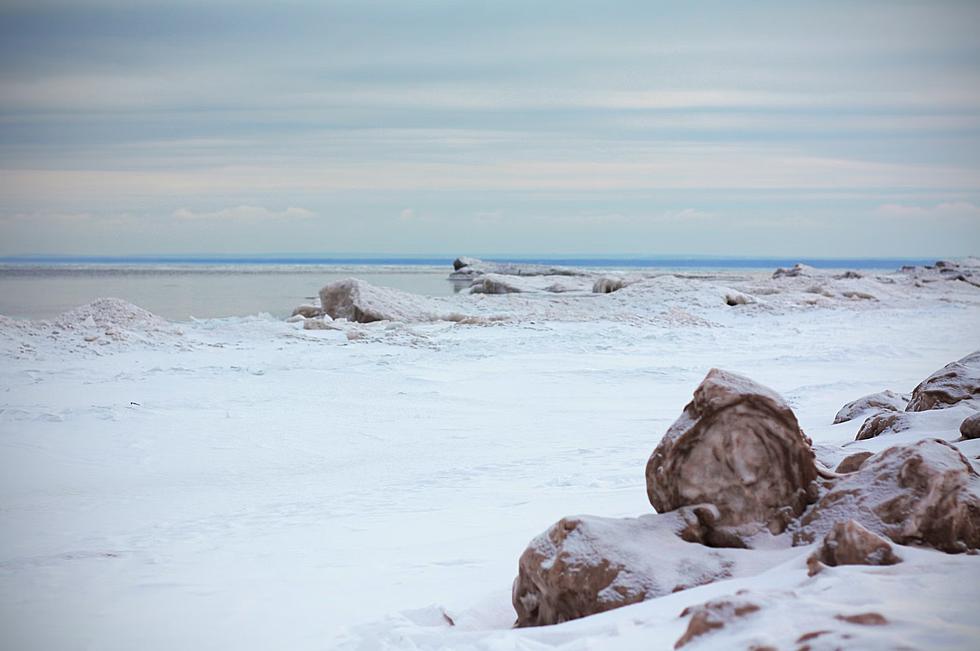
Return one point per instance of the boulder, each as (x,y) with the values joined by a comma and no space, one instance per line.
(887,423)
(853,462)
(876,402)
(738,447)
(733,298)
(924,493)
(463,261)
(608,285)
(957,381)
(356,300)
(939,423)
(970,427)
(495,284)
(585,565)
(848,543)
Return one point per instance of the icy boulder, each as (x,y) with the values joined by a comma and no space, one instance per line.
(848,543)
(356,300)
(464,267)
(738,447)
(495,284)
(875,402)
(925,493)
(953,383)
(585,565)
(608,285)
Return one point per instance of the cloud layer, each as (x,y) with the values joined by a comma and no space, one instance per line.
(764,116)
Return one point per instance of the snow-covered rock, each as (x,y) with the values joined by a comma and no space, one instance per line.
(464,267)
(941,423)
(875,402)
(924,493)
(848,543)
(970,427)
(608,284)
(361,302)
(735,297)
(957,381)
(852,462)
(585,565)
(494,284)
(739,447)
(712,616)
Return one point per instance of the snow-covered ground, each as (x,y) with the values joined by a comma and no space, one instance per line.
(246,483)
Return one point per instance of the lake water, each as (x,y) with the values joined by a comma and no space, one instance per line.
(178,293)
(179,290)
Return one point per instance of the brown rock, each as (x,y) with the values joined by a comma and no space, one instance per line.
(887,423)
(923,493)
(959,380)
(970,427)
(852,462)
(712,615)
(586,565)
(864,619)
(874,402)
(737,446)
(848,543)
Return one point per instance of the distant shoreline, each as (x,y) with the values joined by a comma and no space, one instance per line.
(612,262)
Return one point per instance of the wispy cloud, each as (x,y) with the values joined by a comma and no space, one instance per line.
(243,213)
(939,211)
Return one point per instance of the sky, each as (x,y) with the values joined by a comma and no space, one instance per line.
(811,129)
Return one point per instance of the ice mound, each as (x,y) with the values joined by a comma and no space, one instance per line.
(105,322)
(464,267)
(738,447)
(495,283)
(113,315)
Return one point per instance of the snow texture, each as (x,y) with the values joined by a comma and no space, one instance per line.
(245,483)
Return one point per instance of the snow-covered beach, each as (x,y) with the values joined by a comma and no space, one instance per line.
(252,483)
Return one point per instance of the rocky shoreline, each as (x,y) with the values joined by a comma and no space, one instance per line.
(735,478)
